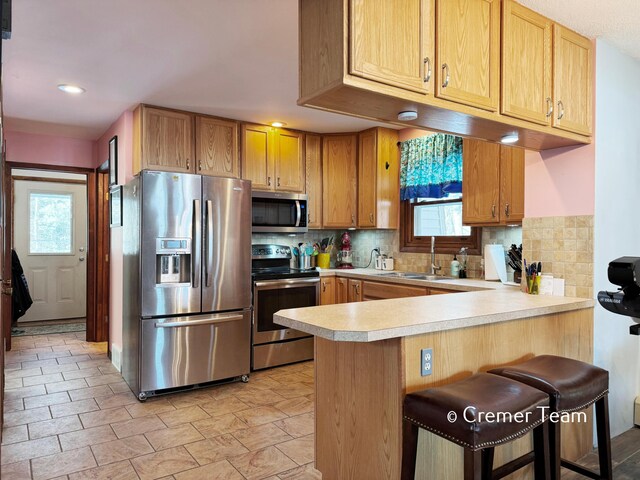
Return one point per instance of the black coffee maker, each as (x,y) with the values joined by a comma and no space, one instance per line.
(624,272)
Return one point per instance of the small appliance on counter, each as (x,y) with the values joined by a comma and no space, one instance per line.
(345,255)
(626,301)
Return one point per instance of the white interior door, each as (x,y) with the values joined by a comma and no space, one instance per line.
(50,238)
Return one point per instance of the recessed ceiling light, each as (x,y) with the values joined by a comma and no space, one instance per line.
(408,115)
(67,88)
(278,124)
(510,138)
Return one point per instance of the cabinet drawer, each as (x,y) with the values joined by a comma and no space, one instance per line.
(379,291)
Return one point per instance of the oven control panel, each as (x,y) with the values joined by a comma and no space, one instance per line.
(266,251)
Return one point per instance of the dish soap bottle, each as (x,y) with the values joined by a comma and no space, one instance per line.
(455,267)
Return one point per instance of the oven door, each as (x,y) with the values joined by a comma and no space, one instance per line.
(269,296)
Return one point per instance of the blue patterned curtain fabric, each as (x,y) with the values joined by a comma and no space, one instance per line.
(431,167)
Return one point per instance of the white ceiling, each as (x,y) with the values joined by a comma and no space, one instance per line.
(232,58)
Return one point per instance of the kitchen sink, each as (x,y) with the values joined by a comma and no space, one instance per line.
(414,276)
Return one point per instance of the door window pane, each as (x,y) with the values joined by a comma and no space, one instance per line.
(50,223)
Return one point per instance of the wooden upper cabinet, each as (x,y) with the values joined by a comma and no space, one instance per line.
(392,42)
(492,184)
(257,158)
(526,64)
(468,52)
(313,162)
(573,81)
(217,147)
(339,174)
(378,179)
(289,160)
(327,290)
(162,140)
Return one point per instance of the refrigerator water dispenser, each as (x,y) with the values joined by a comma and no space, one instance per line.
(173,261)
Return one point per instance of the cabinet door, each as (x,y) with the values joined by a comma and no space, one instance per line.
(327,291)
(526,64)
(257,157)
(339,174)
(392,42)
(342,290)
(217,147)
(512,184)
(289,160)
(381,291)
(480,182)
(167,140)
(355,290)
(313,167)
(572,80)
(388,179)
(367,165)
(467,51)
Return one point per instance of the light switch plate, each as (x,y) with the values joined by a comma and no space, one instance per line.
(426,361)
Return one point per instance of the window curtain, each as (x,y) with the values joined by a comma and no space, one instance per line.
(431,167)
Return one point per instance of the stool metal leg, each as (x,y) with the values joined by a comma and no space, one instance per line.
(472,464)
(604,438)
(542,458)
(487,463)
(409,449)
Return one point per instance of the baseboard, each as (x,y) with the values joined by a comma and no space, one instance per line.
(116,357)
(637,412)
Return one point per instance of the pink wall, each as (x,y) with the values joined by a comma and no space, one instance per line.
(123,128)
(49,150)
(560,182)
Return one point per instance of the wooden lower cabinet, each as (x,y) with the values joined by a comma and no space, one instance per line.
(442,291)
(327,291)
(354,293)
(381,291)
(342,287)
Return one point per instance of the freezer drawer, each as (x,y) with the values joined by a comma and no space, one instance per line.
(181,351)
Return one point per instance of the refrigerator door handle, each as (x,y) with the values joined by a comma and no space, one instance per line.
(204,321)
(298,213)
(195,245)
(208,260)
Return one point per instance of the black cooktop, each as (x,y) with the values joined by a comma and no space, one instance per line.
(273,262)
(280,273)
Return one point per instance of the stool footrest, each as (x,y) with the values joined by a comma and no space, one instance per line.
(580,469)
(513,465)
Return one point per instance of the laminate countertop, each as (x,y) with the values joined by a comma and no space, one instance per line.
(402,317)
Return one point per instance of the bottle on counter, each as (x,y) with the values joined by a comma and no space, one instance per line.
(455,267)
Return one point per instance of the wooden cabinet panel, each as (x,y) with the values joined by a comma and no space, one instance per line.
(367,166)
(163,140)
(257,157)
(467,51)
(328,291)
(217,147)
(512,184)
(342,290)
(573,82)
(379,291)
(441,291)
(339,174)
(393,42)
(526,64)
(354,293)
(289,160)
(313,163)
(480,182)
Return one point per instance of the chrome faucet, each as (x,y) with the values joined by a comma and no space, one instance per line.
(434,268)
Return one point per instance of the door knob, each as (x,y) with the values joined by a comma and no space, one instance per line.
(81,249)
(81,259)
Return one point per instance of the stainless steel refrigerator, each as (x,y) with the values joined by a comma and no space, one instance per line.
(187,281)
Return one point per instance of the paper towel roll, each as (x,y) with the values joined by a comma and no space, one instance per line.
(495,265)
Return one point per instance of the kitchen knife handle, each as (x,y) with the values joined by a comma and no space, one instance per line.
(209,243)
(196,250)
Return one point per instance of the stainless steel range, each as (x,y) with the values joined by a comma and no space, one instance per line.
(277,286)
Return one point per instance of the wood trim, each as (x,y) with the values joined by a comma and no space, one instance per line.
(450,245)
(49,180)
(102,260)
(7,206)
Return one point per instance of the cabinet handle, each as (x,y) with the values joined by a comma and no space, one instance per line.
(200,165)
(269,181)
(493,211)
(427,69)
(353,219)
(549,107)
(188,165)
(357,289)
(506,210)
(560,109)
(371,218)
(324,287)
(278,181)
(445,72)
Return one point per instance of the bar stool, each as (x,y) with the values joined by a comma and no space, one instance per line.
(572,385)
(462,413)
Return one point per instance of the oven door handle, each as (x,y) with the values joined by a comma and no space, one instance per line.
(298,213)
(286,283)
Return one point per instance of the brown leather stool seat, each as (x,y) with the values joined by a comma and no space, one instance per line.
(572,385)
(466,413)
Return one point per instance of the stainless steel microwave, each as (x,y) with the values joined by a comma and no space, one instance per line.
(279,212)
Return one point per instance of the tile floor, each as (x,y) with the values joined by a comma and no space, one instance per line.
(69,415)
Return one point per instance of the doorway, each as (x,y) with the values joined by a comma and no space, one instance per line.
(50,237)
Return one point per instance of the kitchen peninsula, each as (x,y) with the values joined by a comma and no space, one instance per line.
(367,358)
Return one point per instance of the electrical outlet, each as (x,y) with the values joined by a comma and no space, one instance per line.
(426,361)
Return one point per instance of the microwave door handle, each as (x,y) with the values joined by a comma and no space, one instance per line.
(208,261)
(298,213)
(195,245)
